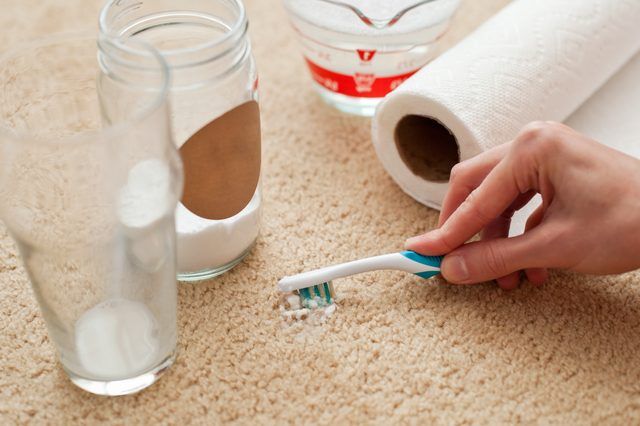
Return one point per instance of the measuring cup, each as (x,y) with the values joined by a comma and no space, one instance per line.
(357,51)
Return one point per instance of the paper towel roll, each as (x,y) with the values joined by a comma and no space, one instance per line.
(534,60)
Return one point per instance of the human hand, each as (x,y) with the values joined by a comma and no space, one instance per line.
(589,219)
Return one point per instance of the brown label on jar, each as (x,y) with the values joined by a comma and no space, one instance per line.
(222,163)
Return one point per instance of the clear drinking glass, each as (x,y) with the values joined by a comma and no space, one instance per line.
(357,51)
(89,181)
(215,120)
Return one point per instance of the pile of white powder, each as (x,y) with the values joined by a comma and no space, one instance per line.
(204,243)
(291,309)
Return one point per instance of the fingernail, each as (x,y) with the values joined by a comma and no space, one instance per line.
(454,269)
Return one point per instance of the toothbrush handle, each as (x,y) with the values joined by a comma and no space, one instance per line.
(408,261)
(422,266)
(328,273)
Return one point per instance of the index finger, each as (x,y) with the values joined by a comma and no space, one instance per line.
(484,204)
(467,176)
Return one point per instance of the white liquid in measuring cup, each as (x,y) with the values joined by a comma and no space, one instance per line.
(355,59)
(117,338)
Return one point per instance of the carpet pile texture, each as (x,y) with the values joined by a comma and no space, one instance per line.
(398,350)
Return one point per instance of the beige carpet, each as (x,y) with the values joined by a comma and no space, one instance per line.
(398,350)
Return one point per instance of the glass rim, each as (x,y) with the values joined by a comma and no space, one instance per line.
(367,18)
(108,132)
(372,25)
(237,30)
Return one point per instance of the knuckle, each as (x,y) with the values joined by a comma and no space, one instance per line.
(559,237)
(536,131)
(494,260)
(532,131)
(446,242)
(472,206)
(548,144)
(539,137)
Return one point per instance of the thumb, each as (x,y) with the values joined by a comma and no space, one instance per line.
(481,261)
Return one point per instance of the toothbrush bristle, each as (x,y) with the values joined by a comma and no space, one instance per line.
(317,296)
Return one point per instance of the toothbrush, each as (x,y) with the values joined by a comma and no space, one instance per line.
(315,288)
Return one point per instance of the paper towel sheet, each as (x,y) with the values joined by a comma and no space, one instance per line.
(534,60)
(612,115)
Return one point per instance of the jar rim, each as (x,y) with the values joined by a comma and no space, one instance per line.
(236,31)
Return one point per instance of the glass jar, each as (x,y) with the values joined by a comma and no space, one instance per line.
(357,51)
(89,183)
(215,120)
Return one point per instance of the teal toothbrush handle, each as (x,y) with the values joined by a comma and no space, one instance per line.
(430,265)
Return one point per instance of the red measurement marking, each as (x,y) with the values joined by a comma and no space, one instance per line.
(365,55)
(361,85)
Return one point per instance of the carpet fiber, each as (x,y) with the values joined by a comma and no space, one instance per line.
(398,350)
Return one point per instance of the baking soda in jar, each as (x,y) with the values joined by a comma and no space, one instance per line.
(358,51)
(215,123)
